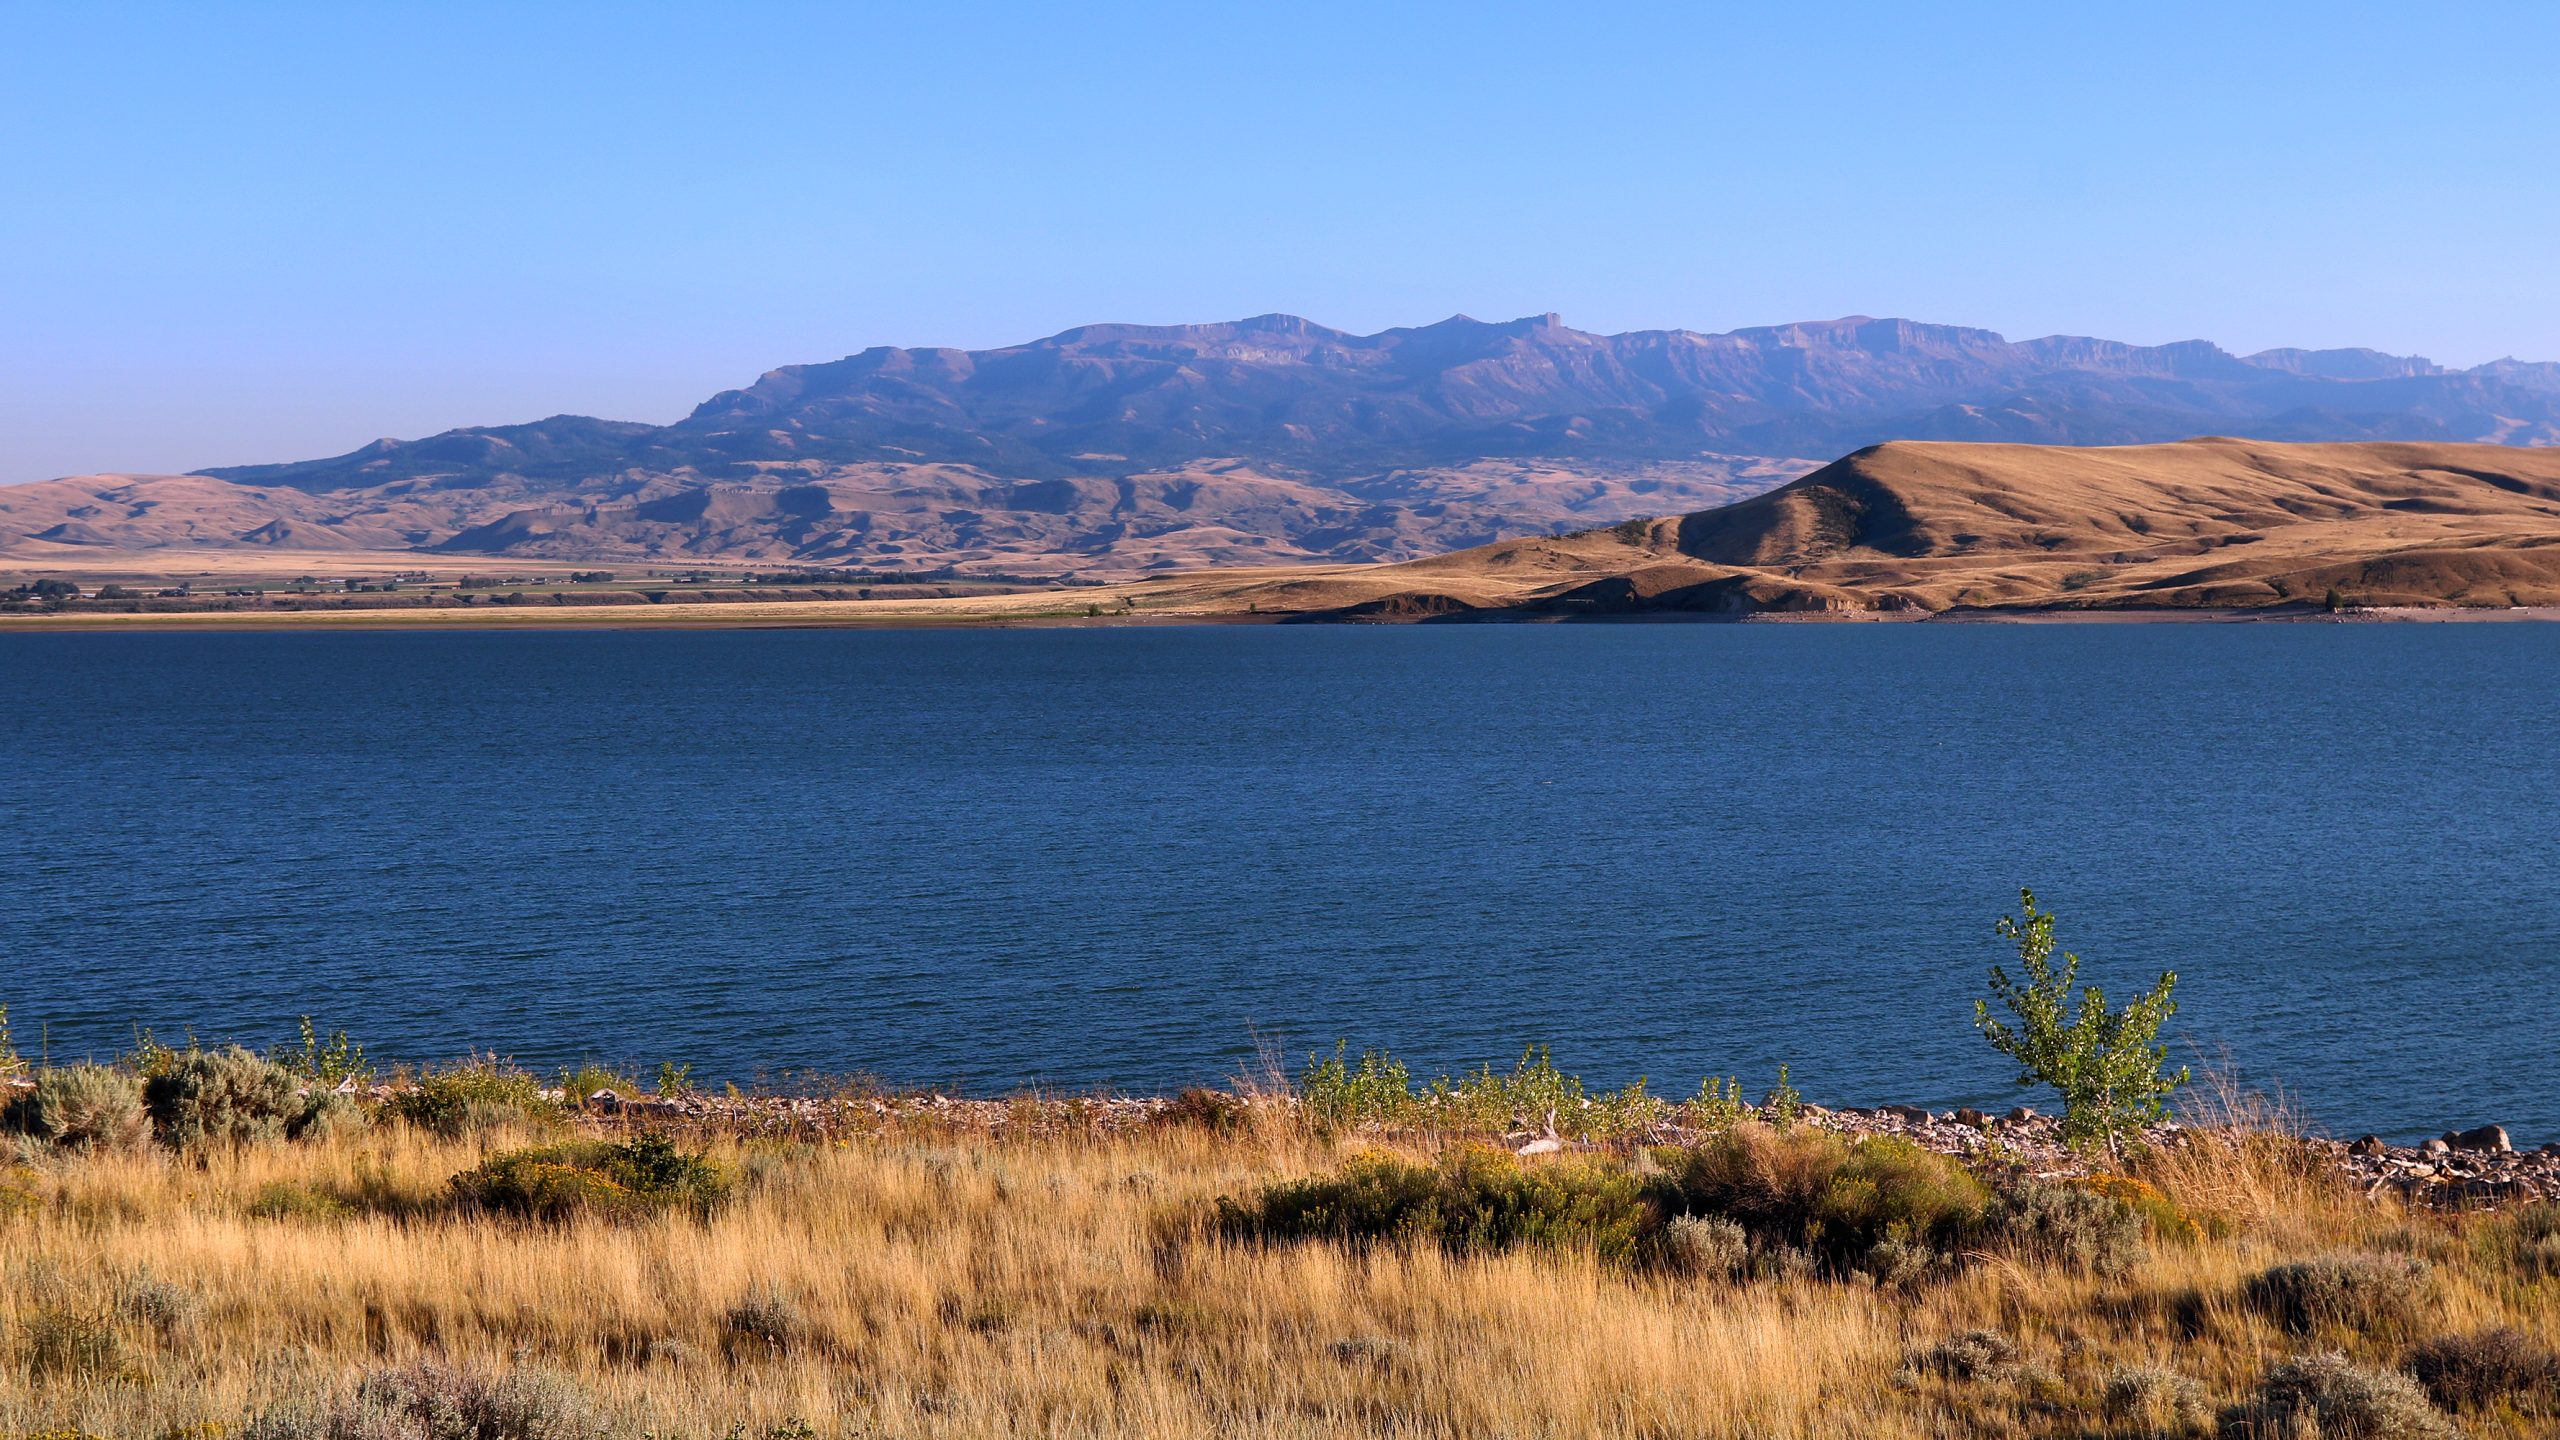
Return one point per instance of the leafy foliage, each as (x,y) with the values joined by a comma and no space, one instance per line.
(1533,1096)
(2106,1064)
(326,1063)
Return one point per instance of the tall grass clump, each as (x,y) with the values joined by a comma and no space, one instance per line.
(2525,1242)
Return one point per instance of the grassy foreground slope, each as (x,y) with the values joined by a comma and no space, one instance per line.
(470,1258)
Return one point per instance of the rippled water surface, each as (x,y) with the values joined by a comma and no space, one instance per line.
(1107,857)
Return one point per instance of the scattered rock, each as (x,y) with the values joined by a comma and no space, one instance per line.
(1911,1113)
(2436,1147)
(2369,1145)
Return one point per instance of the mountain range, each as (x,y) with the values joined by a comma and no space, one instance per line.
(1127,449)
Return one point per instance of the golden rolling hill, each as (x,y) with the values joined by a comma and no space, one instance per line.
(1931,527)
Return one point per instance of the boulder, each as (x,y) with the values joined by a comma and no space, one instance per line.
(1910,1114)
(2435,1147)
(2369,1145)
(2020,1114)
(1967,1115)
(2492,1138)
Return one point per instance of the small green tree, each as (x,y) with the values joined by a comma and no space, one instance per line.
(2107,1064)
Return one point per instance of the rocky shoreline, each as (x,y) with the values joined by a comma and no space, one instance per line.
(2477,1168)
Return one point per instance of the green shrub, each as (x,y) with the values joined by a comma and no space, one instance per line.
(87,1107)
(583,1084)
(1718,1105)
(435,1402)
(598,1178)
(221,1097)
(2071,1225)
(165,1310)
(1708,1247)
(2345,1401)
(1476,1200)
(2363,1293)
(468,1099)
(286,1201)
(2105,1063)
(2468,1372)
(2155,1403)
(1836,1198)
(1336,1096)
(328,1115)
(1535,1095)
(1973,1355)
(325,1065)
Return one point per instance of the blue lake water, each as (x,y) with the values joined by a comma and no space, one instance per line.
(1107,857)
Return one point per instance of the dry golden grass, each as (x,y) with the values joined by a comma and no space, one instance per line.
(1066,1285)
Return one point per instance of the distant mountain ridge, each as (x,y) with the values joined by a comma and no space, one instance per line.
(1268,440)
(1281,390)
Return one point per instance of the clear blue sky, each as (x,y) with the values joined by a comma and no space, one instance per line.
(257,232)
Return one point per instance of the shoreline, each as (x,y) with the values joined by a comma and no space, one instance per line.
(949,615)
(2458,1170)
